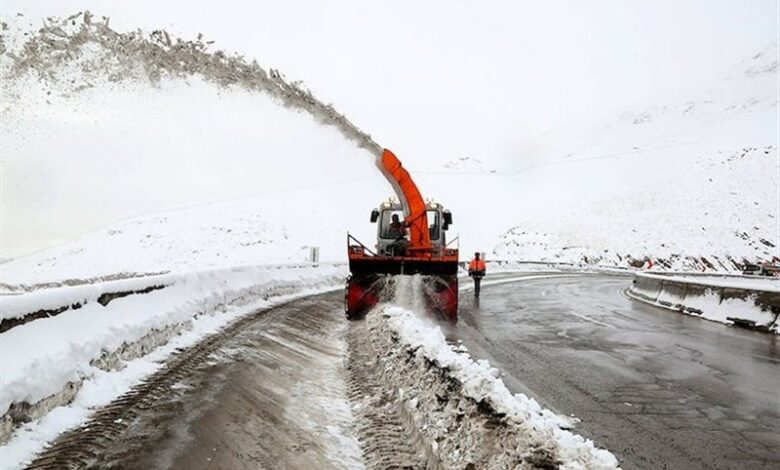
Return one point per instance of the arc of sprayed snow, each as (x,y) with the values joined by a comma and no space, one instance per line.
(134,54)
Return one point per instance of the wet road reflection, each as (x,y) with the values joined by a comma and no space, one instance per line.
(658,388)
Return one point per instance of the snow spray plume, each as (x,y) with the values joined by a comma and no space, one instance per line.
(408,292)
(99,52)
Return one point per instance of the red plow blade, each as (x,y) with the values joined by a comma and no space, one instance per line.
(372,281)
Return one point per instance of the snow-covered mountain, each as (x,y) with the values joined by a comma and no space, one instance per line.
(692,182)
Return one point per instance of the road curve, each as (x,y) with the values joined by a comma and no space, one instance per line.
(657,388)
(267,392)
(287,387)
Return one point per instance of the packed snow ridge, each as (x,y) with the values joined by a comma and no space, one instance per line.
(441,383)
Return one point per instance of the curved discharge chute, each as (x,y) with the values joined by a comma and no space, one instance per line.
(410,198)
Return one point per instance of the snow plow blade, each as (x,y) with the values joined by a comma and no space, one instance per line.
(365,291)
(372,278)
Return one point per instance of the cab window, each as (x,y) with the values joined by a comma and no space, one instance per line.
(391,229)
(433,224)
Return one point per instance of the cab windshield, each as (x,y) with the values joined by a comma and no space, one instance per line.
(392,225)
(393,229)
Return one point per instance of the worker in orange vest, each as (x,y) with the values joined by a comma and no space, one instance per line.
(477,272)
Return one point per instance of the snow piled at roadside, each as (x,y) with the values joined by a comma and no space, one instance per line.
(726,311)
(746,300)
(41,357)
(101,388)
(749,282)
(18,305)
(480,382)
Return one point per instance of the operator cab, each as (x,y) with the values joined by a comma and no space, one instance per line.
(392,237)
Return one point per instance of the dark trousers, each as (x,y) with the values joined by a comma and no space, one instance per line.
(477,276)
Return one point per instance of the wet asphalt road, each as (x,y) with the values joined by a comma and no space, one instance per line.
(657,388)
(272,396)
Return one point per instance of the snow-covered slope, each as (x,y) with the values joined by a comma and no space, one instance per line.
(277,228)
(462,165)
(693,178)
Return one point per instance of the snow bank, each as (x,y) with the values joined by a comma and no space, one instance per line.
(743,300)
(530,429)
(19,305)
(41,358)
(513,266)
(748,282)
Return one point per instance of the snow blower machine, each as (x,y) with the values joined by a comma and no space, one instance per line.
(411,240)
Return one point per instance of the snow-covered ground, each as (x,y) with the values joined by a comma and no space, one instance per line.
(695,177)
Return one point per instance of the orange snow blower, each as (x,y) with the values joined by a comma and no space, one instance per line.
(411,240)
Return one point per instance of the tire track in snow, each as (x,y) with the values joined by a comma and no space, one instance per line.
(384,436)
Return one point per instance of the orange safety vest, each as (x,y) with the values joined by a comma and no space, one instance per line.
(477,265)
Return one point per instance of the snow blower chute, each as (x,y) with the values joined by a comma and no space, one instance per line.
(411,240)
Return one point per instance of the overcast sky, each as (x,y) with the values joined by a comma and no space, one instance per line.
(444,78)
